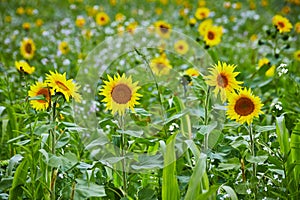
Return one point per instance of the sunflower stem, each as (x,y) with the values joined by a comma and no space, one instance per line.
(123,152)
(252,140)
(160,96)
(53,151)
(206,118)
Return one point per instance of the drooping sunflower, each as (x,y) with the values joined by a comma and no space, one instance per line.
(102,18)
(23,66)
(120,94)
(60,84)
(27,48)
(213,35)
(181,47)
(40,89)
(244,106)
(160,65)
(282,24)
(223,79)
(64,47)
(163,29)
(202,13)
(263,61)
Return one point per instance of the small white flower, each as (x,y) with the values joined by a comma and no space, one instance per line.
(265,189)
(66,62)
(248,191)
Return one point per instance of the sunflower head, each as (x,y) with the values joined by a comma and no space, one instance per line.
(23,66)
(102,18)
(60,84)
(120,94)
(282,24)
(80,21)
(40,89)
(181,47)
(27,48)
(163,29)
(244,106)
(204,25)
(222,77)
(212,36)
(297,55)
(202,13)
(160,65)
(64,47)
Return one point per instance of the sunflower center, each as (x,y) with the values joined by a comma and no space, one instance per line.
(45,93)
(281,24)
(210,35)
(222,80)
(163,28)
(121,94)
(180,47)
(244,106)
(61,85)
(160,66)
(28,48)
(102,19)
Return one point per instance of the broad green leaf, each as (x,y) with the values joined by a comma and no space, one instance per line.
(170,188)
(233,163)
(195,184)
(84,190)
(256,159)
(19,181)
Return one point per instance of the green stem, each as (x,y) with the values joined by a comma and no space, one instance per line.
(123,152)
(53,151)
(206,118)
(157,88)
(252,143)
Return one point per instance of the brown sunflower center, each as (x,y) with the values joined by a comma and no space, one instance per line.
(102,19)
(180,47)
(244,106)
(121,94)
(61,86)
(281,24)
(160,66)
(222,80)
(163,28)
(28,48)
(210,35)
(45,93)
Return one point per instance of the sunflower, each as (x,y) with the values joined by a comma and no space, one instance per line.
(223,78)
(120,94)
(80,21)
(192,72)
(244,106)
(297,55)
(282,24)
(263,61)
(160,65)
(23,66)
(204,25)
(27,48)
(40,88)
(102,18)
(271,71)
(213,35)
(202,13)
(60,84)
(181,47)
(131,27)
(163,29)
(64,47)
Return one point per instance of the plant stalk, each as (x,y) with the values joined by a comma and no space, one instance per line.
(123,152)
(206,118)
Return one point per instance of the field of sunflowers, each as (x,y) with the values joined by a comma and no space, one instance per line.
(153,99)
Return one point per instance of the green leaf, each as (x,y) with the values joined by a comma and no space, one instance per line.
(19,181)
(84,190)
(233,163)
(282,136)
(229,191)
(131,133)
(170,188)
(195,183)
(256,159)
(265,128)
